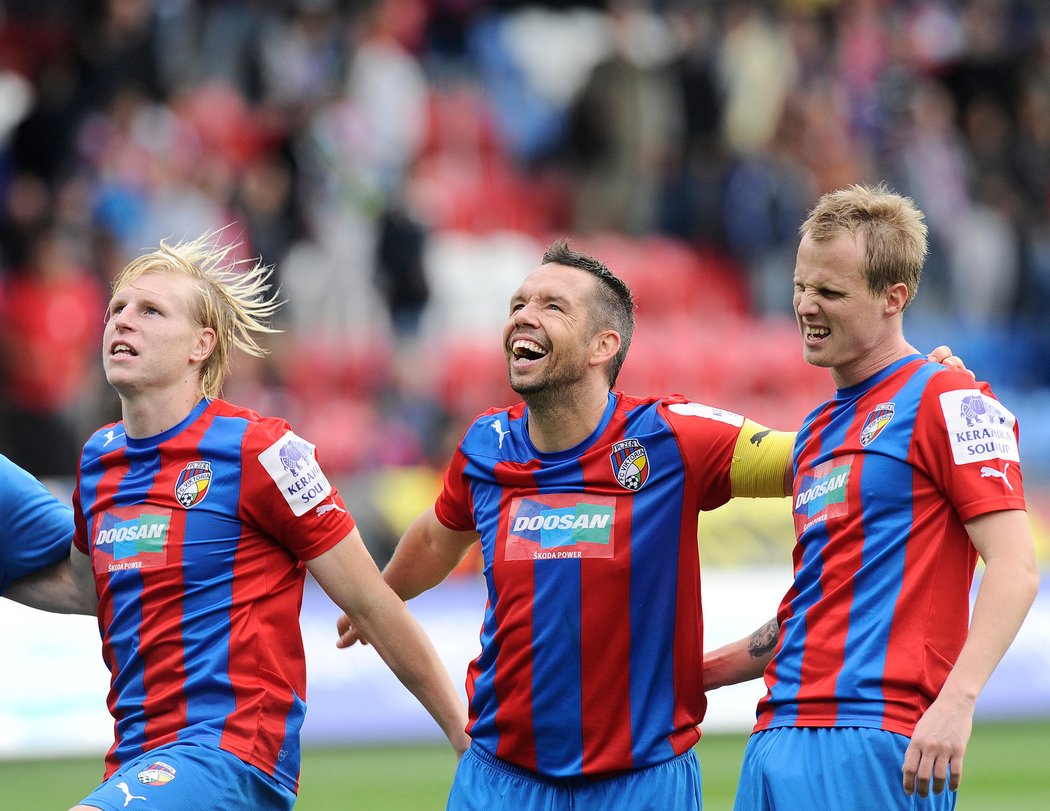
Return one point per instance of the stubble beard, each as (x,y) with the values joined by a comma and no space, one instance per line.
(551,391)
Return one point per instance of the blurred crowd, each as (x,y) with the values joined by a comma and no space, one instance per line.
(369,149)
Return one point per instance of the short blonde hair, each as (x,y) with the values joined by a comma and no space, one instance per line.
(892,226)
(231,297)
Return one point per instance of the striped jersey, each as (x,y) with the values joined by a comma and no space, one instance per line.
(886,473)
(592,640)
(196,538)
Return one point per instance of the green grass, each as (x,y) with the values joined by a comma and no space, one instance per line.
(1005,771)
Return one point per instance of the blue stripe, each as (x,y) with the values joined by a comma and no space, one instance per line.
(209,545)
(655,544)
(557,691)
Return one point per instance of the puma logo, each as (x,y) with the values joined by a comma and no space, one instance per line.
(991,472)
(327,508)
(128,796)
(756,439)
(498,428)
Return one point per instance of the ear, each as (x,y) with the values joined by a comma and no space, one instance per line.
(205,345)
(606,345)
(896,299)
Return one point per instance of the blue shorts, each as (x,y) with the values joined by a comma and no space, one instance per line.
(188,775)
(848,769)
(483,782)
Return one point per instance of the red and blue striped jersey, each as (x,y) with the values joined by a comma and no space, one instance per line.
(196,538)
(886,474)
(592,640)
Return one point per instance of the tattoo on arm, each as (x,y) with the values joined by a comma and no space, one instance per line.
(763,640)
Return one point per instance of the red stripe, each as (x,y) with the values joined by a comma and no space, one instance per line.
(515,582)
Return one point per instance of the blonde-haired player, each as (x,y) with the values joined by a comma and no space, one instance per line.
(196,521)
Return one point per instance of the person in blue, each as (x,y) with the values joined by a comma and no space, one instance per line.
(36,531)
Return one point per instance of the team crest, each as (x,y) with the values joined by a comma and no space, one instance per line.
(878,419)
(192,485)
(630,463)
(157,774)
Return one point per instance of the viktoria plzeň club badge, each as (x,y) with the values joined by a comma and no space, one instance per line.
(192,485)
(630,463)
(878,419)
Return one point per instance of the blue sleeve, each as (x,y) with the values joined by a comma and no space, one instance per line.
(36,529)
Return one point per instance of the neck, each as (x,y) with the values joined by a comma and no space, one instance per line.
(149,415)
(562,419)
(871,364)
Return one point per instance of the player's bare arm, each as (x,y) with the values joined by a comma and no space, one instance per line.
(425,556)
(742,660)
(67,587)
(1008,587)
(350,577)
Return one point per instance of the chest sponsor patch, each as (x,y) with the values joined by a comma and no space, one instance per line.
(822,493)
(979,427)
(561,526)
(131,538)
(292,465)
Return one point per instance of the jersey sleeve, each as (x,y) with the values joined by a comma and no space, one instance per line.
(967,442)
(286,493)
(707,437)
(454,507)
(37,528)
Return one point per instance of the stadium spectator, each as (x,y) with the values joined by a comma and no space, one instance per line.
(901,480)
(196,521)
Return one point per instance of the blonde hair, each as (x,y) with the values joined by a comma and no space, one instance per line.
(231,297)
(893,228)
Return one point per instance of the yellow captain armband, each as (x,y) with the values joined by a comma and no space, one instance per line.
(760,461)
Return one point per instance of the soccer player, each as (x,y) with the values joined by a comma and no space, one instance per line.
(901,480)
(586,693)
(196,521)
(37,528)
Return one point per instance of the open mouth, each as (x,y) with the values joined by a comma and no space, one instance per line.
(524,349)
(122,350)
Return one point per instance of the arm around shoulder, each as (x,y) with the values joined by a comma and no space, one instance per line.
(742,660)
